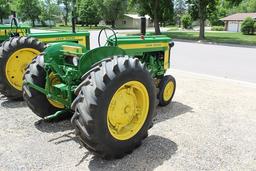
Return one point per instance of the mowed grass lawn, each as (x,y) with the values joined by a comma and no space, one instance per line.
(217,37)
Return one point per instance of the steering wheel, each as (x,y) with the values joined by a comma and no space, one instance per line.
(109,39)
(14,22)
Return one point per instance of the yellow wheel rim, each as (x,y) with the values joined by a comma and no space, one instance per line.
(16,64)
(128,110)
(168,91)
(54,80)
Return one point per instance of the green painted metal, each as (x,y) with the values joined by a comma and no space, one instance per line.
(58,34)
(53,37)
(147,41)
(55,61)
(5,31)
(96,55)
(139,52)
(139,40)
(154,65)
(70,74)
(3,27)
(49,37)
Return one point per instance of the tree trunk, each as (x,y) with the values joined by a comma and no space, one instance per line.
(1,20)
(113,24)
(66,15)
(157,27)
(33,23)
(66,20)
(156,19)
(202,13)
(202,29)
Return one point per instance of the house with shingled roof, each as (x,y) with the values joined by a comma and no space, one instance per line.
(233,22)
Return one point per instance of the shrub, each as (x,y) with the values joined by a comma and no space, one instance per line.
(186,21)
(217,28)
(254,27)
(89,13)
(247,26)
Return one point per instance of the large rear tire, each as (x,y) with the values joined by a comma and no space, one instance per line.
(15,54)
(114,107)
(37,101)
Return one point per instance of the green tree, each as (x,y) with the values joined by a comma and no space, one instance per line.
(89,12)
(67,9)
(186,21)
(111,10)
(132,8)
(4,9)
(234,2)
(49,10)
(29,10)
(201,9)
(167,12)
(216,15)
(254,27)
(179,10)
(156,9)
(245,6)
(247,26)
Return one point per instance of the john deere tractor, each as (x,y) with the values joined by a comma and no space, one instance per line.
(19,47)
(112,91)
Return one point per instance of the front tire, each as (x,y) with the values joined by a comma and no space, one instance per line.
(167,87)
(114,107)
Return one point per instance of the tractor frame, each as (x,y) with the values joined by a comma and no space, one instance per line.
(154,51)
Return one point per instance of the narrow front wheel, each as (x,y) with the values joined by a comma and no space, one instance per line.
(167,87)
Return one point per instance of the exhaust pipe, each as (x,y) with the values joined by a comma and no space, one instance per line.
(143,23)
(74,24)
(74,16)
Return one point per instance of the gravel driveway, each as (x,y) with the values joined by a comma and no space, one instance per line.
(211,125)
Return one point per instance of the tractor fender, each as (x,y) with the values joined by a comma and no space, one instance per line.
(96,55)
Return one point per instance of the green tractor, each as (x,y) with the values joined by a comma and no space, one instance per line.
(19,47)
(112,91)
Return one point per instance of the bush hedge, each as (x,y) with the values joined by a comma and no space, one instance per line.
(248,26)
(217,28)
(186,21)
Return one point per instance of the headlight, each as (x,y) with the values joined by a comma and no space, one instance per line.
(75,61)
(71,60)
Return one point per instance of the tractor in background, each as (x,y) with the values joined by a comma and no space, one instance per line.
(110,91)
(19,47)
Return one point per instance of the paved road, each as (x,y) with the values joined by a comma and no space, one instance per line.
(209,126)
(232,62)
(237,63)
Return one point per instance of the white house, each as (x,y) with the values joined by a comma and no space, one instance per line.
(233,22)
(132,21)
